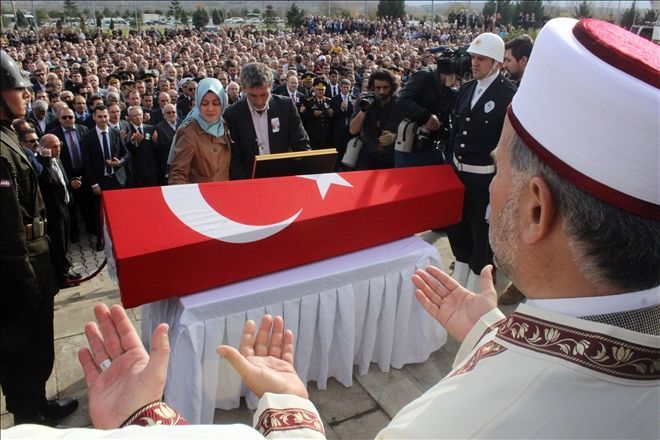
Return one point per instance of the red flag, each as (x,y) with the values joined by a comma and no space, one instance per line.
(176,240)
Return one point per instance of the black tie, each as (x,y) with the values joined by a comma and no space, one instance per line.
(140,130)
(106,152)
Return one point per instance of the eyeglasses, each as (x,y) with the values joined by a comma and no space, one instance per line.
(66,117)
(32,141)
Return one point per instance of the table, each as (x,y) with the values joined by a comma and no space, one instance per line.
(348,310)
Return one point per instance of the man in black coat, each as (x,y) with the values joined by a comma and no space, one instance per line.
(141,143)
(70,135)
(165,130)
(105,159)
(342,106)
(56,188)
(477,121)
(261,124)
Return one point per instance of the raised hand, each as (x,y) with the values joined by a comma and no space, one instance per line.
(265,360)
(454,307)
(120,375)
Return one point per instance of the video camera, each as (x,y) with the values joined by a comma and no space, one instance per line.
(368,100)
(453,61)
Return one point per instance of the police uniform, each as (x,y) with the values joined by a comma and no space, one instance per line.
(319,128)
(475,133)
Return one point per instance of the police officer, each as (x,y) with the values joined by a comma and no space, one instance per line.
(477,121)
(27,273)
(317,117)
(427,100)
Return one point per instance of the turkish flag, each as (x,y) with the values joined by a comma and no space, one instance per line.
(176,240)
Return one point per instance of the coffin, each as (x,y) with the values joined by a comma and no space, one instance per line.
(177,240)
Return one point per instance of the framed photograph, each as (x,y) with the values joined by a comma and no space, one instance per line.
(295,163)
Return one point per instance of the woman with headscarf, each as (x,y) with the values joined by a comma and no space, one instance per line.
(201,151)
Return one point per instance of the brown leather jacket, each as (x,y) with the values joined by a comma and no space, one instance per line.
(198,156)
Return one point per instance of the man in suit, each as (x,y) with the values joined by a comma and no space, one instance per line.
(157,113)
(141,144)
(262,123)
(317,117)
(104,159)
(334,87)
(478,117)
(165,131)
(122,125)
(39,116)
(56,188)
(342,106)
(291,90)
(70,135)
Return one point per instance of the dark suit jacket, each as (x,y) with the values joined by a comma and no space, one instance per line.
(156,116)
(49,120)
(328,91)
(65,156)
(476,131)
(340,121)
(291,135)
(163,144)
(143,165)
(94,162)
(300,98)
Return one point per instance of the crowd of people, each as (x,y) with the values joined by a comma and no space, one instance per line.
(107,112)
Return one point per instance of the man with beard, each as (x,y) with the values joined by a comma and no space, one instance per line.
(516,57)
(580,238)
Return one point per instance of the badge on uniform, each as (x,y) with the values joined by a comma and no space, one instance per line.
(489,106)
(147,136)
(5,183)
(275,125)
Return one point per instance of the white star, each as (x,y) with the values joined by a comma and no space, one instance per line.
(323,181)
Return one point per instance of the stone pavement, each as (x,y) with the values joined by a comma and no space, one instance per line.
(358,412)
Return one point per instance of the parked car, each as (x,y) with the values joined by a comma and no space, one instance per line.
(234,20)
(253,21)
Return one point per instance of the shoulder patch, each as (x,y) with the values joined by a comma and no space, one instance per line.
(5,183)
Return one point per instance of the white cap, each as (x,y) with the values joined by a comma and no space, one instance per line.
(589,107)
(489,45)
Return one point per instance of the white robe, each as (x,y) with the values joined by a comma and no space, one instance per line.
(540,374)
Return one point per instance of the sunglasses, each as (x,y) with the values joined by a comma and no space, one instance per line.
(170,113)
(66,117)
(32,141)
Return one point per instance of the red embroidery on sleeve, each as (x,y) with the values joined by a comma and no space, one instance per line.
(288,419)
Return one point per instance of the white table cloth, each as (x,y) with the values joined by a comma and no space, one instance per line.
(348,310)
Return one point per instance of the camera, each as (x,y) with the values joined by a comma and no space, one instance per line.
(453,61)
(367,101)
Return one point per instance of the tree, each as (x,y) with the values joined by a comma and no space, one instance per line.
(269,16)
(295,16)
(391,8)
(158,11)
(651,16)
(216,16)
(200,17)
(175,11)
(106,12)
(83,25)
(584,10)
(21,21)
(503,7)
(629,16)
(183,16)
(41,15)
(70,9)
(256,11)
(99,21)
(112,24)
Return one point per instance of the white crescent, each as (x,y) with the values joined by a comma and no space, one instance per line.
(189,205)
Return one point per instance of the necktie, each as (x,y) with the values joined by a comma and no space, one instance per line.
(75,154)
(334,91)
(106,152)
(140,130)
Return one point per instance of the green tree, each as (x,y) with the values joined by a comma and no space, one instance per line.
(99,21)
(651,16)
(175,10)
(158,11)
(41,15)
(345,13)
(184,17)
(106,12)
(70,9)
(584,10)
(503,7)
(391,8)
(83,25)
(629,16)
(295,16)
(216,16)
(269,16)
(112,24)
(21,21)
(256,11)
(200,17)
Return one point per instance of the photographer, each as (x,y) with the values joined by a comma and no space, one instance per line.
(427,100)
(375,119)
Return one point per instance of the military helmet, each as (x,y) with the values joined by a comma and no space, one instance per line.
(489,45)
(10,74)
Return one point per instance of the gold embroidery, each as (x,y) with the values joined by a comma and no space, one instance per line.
(288,419)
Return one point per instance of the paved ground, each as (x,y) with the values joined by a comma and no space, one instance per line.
(348,413)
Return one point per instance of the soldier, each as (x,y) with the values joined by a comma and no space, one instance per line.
(28,279)
(317,117)
(307,84)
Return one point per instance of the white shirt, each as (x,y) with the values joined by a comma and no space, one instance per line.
(100,136)
(260,122)
(482,86)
